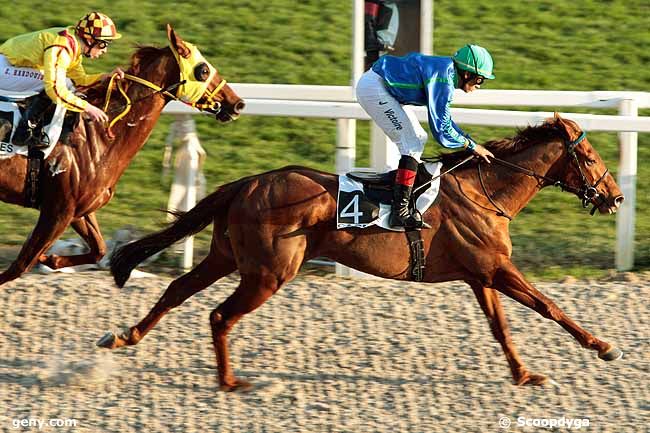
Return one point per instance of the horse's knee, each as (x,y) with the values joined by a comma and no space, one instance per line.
(217,322)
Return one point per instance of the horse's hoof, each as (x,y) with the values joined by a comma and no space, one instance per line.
(107,341)
(532,379)
(239,386)
(612,354)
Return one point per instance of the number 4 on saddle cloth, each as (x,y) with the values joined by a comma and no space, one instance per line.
(364,199)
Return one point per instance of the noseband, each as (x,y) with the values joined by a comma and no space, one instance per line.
(587,193)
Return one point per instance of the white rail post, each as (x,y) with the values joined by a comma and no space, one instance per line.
(187,165)
(628,143)
(426,27)
(346,129)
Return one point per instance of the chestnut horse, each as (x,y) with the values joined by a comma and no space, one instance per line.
(80,174)
(266,226)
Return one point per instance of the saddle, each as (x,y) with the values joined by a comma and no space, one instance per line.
(36,140)
(379,186)
(378,190)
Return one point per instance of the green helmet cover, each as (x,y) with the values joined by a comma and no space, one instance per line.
(476,60)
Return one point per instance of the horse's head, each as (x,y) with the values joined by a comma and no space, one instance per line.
(584,171)
(200,83)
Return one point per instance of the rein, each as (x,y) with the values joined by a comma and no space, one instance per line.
(587,193)
(127,106)
(427,183)
(211,103)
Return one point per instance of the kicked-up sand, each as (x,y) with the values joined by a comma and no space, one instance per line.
(326,355)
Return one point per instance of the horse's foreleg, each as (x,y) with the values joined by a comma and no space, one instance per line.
(47,230)
(204,274)
(491,304)
(510,281)
(88,228)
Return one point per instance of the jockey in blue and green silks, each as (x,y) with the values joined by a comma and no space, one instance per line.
(417,79)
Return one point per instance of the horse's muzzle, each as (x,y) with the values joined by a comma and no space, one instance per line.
(238,107)
(228,114)
(605,206)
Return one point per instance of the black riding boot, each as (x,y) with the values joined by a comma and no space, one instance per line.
(30,128)
(402,214)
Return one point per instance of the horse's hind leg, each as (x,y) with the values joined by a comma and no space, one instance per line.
(88,228)
(254,289)
(509,281)
(205,273)
(491,304)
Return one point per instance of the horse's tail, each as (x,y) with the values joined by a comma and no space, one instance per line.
(126,258)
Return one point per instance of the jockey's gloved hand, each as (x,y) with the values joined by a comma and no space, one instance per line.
(483,152)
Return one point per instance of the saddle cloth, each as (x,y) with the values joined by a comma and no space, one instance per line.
(9,110)
(360,205)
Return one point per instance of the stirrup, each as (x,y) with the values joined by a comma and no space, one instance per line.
(408,222)
(37,139)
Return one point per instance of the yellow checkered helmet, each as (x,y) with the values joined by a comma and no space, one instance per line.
(96,26)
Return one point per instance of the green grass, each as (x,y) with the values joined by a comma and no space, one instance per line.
(589,45)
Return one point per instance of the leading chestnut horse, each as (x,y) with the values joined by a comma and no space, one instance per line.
(266,226)
(80,174)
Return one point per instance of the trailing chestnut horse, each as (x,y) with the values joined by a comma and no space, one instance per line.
(266,226)
(80,174)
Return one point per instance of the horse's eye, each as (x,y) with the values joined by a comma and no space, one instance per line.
(590,162)
(201,72)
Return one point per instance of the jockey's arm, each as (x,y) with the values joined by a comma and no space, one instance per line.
(443,129)
(56,63)
(79,76)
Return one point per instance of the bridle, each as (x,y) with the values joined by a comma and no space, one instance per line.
(587,193)
(211,105)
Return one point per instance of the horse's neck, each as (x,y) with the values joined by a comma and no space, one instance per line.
(132,131)
(513,189)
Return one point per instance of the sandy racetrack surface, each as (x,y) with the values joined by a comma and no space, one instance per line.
(326,354)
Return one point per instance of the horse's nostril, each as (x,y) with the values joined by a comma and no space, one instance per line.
(618,201)
(239,106)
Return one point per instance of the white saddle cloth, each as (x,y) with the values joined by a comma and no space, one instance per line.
(53,130)
(352,214)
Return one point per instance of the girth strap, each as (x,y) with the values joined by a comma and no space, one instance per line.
(35,164)
(416,246)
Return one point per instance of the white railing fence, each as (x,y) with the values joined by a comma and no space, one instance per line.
(338,102)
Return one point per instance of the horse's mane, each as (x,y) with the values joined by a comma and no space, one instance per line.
(549,130)
(140,60)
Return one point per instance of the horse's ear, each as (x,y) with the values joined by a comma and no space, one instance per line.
(177,43)
(568,126)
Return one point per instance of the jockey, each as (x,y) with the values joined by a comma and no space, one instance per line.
(49,61)
(417,79)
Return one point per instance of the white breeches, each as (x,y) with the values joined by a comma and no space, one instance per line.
(398,122)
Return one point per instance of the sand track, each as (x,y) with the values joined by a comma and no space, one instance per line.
(327,354)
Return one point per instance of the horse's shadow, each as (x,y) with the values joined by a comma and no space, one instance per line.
(26,380)
(263,379)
